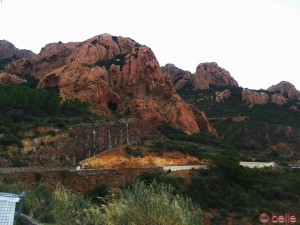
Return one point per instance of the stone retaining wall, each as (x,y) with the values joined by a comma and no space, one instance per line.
(77,181)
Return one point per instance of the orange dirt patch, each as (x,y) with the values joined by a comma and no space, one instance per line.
(119,158)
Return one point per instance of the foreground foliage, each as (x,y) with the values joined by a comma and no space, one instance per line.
(143,204)
(139,204)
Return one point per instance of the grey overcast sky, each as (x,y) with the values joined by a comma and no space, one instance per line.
(257,41)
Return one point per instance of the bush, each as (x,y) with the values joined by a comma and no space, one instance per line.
(149,178)
(11,140)
(17,160)
(128,150)
(151,204)
(74,107)
(138,153)
(70,209)
(38,176)
(97,194)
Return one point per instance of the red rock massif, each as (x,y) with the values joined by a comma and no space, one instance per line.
(115,75)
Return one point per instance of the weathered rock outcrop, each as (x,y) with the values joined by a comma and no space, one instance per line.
(115,75)
(8,50)
(179,77)
(210,74)
(278,99)
(286,89)
(252,98)
(223,95)
(6,78)
(206,76)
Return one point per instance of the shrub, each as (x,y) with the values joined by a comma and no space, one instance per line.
(74,107)
(138,153)
(70,209)
(97,194)
(17,160)
(38,176)
(151,204)
(11,140)
(158,151)
(128,150)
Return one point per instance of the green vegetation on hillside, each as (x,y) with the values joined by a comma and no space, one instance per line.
(140,204)
(227,188)
(264,128)
(23,108)
(234,106)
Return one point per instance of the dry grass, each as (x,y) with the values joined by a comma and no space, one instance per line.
(118,158)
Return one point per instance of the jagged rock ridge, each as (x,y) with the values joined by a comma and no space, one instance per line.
(206,76)
(278,94)
(8,50)
(115,75)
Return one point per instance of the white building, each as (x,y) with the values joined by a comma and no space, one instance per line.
(257,164)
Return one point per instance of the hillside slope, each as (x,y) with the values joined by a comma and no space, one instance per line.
(116,75)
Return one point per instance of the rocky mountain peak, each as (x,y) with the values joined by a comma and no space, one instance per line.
(210,74)
(287,89)
(206,76)
(179,77)
(115,75)
(8,50)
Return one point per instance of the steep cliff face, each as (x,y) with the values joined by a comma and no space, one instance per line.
(206,76)
(115,75)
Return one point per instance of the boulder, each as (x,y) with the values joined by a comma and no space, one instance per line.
(223,95)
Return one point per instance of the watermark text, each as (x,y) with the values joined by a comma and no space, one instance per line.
(286,218)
